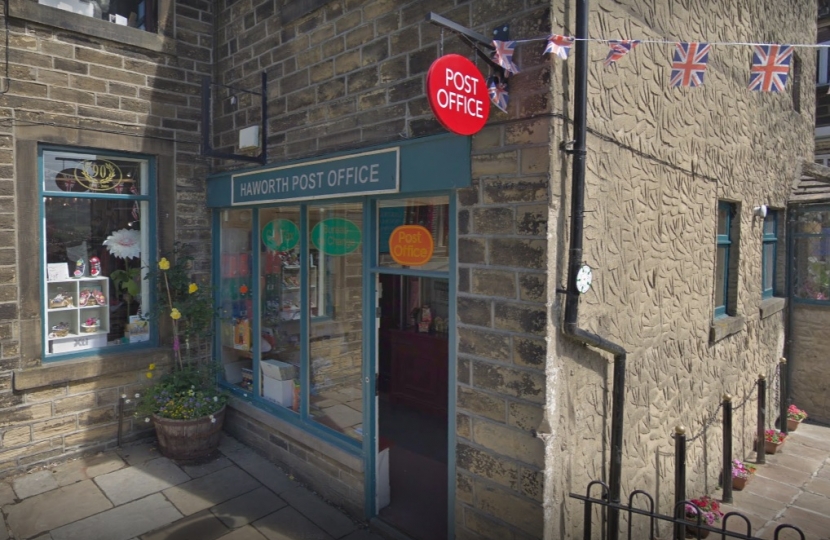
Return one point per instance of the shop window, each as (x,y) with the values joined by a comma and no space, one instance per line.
(403,249)
(812,256)
(139,14)
(769,254)
(97,214)
(725,267)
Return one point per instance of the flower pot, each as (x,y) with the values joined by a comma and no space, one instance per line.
(792,425)
(189,439)
(771,447)
(694,532)
(739,483)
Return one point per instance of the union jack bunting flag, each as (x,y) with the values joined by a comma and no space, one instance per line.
(559,45)
(498,93)
(770,67)
(504,55)
(619,48)
(689,64)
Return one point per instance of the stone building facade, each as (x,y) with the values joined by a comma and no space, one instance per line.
(529,407)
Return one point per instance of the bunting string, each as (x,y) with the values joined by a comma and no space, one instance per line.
(674,41)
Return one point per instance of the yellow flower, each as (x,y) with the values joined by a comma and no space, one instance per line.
(175,314)
(192,288)
(149,374)
(164,264)
(152,367)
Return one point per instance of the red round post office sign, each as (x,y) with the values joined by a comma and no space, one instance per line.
(458,94)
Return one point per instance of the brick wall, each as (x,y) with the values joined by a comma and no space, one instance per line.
(78,88)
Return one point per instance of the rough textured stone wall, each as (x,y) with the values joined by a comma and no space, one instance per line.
(659,159)
(350,74)
(810,382)
(82,89)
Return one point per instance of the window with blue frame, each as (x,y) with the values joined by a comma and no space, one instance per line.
(726,212)
(98,237)
(770,253)
(811,262)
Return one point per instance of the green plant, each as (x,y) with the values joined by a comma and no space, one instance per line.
(181,395)
(741,469)
(707,508)
(794,413)
(774,436)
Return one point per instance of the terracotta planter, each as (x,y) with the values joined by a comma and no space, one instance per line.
(189,439)
(771,447)
(792,425)
(694,532)
(738,484)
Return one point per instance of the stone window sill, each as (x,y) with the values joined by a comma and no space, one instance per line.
(30,10)
(89,368)
(725,327)
(771,306)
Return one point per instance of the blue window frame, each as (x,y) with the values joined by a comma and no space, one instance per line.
(97,239)
(769,254)
(724,244)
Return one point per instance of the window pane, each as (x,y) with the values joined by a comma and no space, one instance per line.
(96,255)
(720,289)
(814,222)
(280,274)
(812,268)
(769,266)
(723,219)
(769,224)
(89,173)
(430,213)
(134,13)
(336,337)
(235,297)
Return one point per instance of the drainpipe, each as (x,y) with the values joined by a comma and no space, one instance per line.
(570,327)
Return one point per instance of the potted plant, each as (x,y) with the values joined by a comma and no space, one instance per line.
(185,406)
(702,511)
(794,417)
(773,439)
(741,474)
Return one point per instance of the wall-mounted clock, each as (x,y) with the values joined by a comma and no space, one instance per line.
(583,279)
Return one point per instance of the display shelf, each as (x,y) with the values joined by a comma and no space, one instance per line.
(74,315)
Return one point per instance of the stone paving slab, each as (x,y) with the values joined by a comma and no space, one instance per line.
(141,480)
(123,522)
(815,526)
(289,524)
(818,485)
(34,484)
(139,452)
(260,468)
(202,493)
(248,507)
(325,516)
(54,509)
(87,468)
(201,526)
(771,489)
(203,469)
(245,533)
(7,495)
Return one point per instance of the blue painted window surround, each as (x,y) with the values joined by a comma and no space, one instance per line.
(769,254)
(724,243)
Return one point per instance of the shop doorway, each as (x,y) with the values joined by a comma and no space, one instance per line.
(413,375)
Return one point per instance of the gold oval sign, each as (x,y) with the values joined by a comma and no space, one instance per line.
(98,174)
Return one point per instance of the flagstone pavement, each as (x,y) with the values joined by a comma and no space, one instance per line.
(135,493)
(792,487)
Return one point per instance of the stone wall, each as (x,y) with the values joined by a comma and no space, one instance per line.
(659,159)
(810,382)
(76,81)
(347,74)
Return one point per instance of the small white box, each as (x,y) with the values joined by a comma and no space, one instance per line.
(249,138)
(233,371)
(280,392)
(281,371)
(79,342)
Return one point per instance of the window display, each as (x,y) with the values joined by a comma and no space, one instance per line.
(96,219)
(422,233)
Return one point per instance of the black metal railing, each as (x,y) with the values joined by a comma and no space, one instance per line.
(645,521)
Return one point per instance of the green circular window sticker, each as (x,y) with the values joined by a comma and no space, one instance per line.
(280,235)
(336,236)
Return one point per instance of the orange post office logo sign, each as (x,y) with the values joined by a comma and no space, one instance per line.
(411,245)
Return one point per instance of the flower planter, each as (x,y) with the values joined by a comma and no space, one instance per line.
(739,483)
(771,447)
(694,532)
(792,425)
(189,439)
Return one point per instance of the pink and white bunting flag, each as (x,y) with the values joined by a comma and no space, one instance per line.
(503,55)
(559,45)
